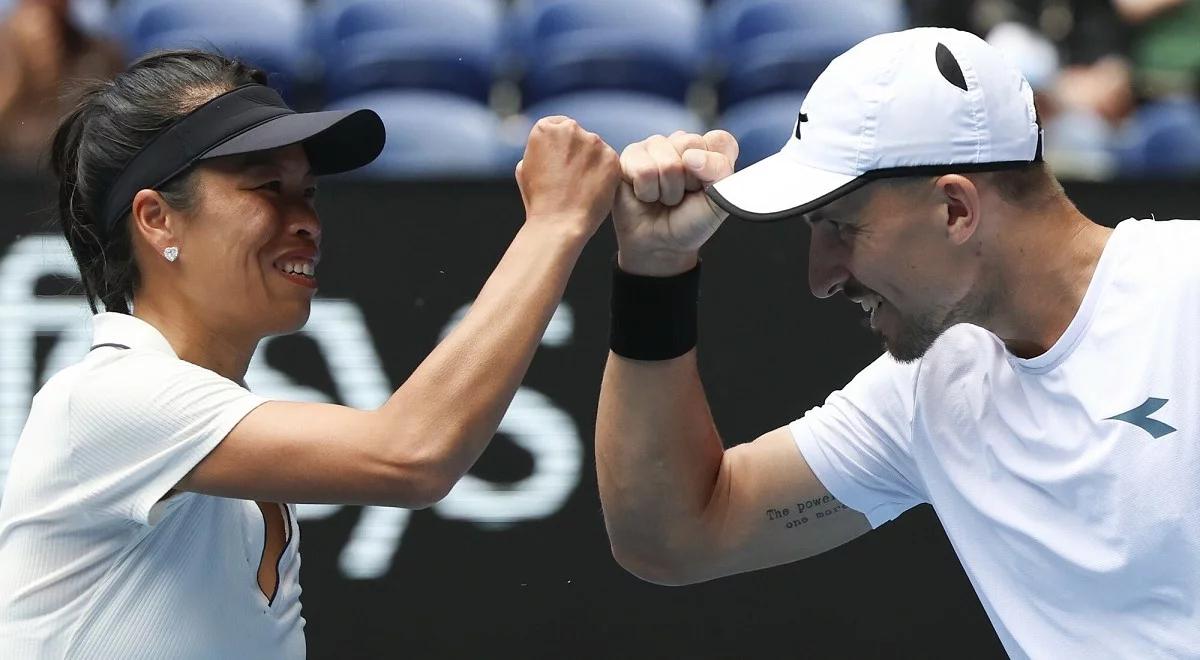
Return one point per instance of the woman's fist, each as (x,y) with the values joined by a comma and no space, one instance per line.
(568,175)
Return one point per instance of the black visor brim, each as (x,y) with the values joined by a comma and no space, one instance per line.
(335,140)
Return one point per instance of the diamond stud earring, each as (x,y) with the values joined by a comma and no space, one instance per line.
(171,253)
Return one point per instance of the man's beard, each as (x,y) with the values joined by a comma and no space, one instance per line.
(916,334)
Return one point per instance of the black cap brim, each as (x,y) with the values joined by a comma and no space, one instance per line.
(334,140)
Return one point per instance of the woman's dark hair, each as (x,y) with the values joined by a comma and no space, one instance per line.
(112,122)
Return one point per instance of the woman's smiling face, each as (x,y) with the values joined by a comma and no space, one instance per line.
(250,246)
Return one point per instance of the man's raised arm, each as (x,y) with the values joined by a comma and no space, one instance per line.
(678,506)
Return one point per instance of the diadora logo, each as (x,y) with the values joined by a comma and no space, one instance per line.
(1140,417)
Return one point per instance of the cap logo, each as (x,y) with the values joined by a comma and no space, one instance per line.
(800,120)
(949,68)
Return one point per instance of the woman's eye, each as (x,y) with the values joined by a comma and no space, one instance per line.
(310,193)
(274,186)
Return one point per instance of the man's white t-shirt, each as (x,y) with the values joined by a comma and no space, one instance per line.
(1068,484)
(93,562)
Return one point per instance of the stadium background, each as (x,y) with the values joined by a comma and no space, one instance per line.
(515,562)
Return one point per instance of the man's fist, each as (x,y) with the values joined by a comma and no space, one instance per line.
(661,214)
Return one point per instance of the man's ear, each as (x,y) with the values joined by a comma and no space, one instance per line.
(962,206)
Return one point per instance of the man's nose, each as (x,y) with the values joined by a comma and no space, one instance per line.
(827,273)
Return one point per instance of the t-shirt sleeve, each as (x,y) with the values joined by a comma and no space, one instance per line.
(140,421)
(859,442)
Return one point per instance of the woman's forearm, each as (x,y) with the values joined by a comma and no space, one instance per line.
(457,397)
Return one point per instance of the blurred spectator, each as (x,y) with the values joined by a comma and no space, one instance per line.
(1083,31)
(42,49)
(1166,45)
(1104,88)
(1029,50)
(1088,69)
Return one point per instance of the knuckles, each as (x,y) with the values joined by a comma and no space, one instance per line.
(554,122)
(609,157)
(672,169)
(558,129)
(644,175)
(560,147)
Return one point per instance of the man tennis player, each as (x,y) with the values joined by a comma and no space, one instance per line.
(1041,387)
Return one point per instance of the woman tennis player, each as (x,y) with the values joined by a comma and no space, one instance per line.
(149,512)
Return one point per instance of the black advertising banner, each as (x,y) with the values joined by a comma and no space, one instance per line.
(515,563)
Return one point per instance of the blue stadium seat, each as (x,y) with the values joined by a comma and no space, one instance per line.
(765,46)
(449,45)
(762,125)
(265,33)
(434,134)
(648,46)
(620,118)
(137,20)
(277,54)
(1162,139)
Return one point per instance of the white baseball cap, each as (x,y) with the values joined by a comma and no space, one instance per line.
(921,101)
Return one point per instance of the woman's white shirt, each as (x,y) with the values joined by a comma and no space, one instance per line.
(94,563)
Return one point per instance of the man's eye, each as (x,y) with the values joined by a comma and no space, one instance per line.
(274,186)
(310,193)
(843,229)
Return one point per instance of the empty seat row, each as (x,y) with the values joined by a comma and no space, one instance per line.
(438,134)
(552,47)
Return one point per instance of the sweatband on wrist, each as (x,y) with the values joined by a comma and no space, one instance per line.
(654,318)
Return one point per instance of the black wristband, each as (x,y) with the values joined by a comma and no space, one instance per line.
(654,318)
